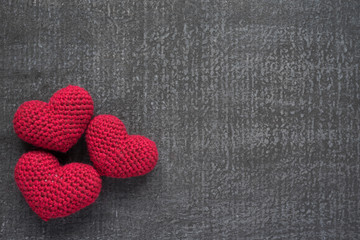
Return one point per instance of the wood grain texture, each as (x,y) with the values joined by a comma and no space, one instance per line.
(254,106)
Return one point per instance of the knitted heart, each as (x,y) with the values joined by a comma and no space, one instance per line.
(53,190)
(117,154)
(56,125)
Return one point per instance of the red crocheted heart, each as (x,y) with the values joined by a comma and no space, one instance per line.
(117,154)
(56,125)
(53,190)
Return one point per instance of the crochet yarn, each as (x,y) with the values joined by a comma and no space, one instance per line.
(52,190)
(56,125)
(117,154)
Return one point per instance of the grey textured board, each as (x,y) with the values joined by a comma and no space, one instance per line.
(254,106)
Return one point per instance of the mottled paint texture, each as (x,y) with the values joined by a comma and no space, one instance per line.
(254,106)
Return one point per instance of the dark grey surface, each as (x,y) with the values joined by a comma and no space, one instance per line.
(254,106)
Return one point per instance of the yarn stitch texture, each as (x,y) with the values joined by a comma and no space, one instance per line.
(56,125)
(52,190)
(117,154)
